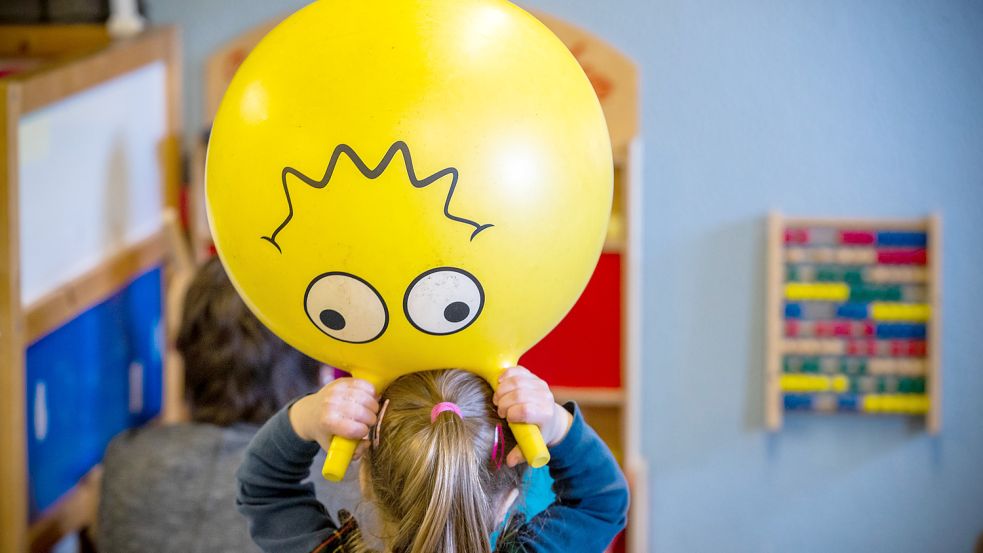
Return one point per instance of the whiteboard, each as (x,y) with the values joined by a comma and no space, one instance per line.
(90,176)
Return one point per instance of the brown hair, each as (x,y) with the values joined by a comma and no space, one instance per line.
(435,485)
(236,370)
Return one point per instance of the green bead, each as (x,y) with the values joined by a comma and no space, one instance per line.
(810,365)
(828,274)
(853,276)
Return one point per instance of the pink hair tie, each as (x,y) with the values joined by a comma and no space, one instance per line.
(498,447)
(444,406)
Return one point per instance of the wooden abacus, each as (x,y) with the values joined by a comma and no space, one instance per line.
(853,315)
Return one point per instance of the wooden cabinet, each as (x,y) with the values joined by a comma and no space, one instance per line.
(88,162)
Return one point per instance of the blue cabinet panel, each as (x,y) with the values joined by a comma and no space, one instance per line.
(93,377)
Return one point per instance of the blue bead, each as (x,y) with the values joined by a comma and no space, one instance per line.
(793,310)
(852,311)
(902,239)
(798,402)
(848,402)
(901,331)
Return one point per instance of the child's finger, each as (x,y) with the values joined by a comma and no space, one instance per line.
(515,373)
(523,396)
(518,370)
(363,385)
(512,397)
(347,428)
(515,383)
(508,383)
(354,411)
(362,398)
(515,457)
(532,413)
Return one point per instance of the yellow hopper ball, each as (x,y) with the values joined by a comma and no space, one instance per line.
(399,186)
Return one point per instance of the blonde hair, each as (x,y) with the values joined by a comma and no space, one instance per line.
(435,485)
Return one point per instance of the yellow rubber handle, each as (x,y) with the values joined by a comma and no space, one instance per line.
(530,443)
(340,454)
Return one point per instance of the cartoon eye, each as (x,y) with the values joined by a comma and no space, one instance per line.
(346,308)
(444,300)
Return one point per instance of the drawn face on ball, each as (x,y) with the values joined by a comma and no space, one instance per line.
(346,307)
(381,210)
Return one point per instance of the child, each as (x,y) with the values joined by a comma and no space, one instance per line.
(172,488)
(435,467)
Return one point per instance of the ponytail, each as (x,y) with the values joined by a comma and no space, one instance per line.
(435,484)
(456,517)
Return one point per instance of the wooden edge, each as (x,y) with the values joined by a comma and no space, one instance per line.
(873,224)
(632,301)
(64,78)
(182,270)
(171,154)
(77,509)
(773,280)
(934,423)
(13,441)
(178,253)
(636,536)
(614,246)
(638,512)
(201,236)
(51,41)
(593,397)
(169,159)
(69,300)
(180,265)
(173,55)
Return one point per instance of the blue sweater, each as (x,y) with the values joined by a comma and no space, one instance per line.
(285,517)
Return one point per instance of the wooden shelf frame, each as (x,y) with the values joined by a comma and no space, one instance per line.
(75,58)
(595,397)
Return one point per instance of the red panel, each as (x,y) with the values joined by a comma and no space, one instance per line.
(585,349)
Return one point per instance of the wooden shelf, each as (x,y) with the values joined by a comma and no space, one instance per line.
(591,397)
(614,246)
(52,69)
(76,509)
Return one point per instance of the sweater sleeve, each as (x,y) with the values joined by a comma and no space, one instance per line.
(591,504)
(283,513)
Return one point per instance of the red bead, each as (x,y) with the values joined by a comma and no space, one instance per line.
(902,257)
(857,237)
(796,236)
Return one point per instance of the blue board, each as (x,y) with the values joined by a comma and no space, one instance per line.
(88,380)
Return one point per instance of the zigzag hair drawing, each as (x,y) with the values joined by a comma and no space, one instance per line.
(372,173)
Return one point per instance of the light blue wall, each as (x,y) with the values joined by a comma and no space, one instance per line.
(837,108)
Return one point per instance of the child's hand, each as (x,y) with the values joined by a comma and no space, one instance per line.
(345,407)
(524,397)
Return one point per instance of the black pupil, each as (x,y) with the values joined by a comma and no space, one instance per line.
(332,319)
(457,312)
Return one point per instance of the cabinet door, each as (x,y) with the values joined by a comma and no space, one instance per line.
(93,377)
(584,350)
